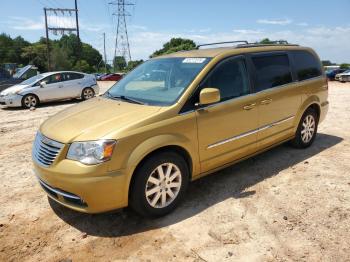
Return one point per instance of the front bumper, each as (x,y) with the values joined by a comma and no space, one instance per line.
(344,78)
(11,100)
(84,188)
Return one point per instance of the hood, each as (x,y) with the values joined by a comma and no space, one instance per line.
(94,119)
(13,89)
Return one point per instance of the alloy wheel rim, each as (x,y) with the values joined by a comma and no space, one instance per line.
(308,129)
(30,101)
(163,185)
(88,94)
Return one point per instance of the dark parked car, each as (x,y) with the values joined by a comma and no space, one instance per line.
(24,73)
(331,74)
(112,77)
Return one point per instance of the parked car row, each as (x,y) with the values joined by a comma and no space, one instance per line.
(109,77)
(52,86)
(342,75)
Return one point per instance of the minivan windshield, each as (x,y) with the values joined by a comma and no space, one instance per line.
(32,80)
(158,81)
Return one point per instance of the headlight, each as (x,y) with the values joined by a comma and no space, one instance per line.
(91,152)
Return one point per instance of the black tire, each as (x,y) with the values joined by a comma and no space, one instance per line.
(87,93)
(137,198)
(303,137)
(30,100)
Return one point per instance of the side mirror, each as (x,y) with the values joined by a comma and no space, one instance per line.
(209,96)
(42,84)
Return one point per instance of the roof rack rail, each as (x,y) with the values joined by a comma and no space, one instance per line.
(271,43)
(227,42)
(246,44)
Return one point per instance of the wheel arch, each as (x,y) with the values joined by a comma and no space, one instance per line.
(311,102)
(182,151)
(86,87)
(30,93)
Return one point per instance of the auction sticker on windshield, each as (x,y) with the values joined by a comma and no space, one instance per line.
(193,60)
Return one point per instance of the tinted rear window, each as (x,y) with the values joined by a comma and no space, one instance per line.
(306,65)
(272,70)
(72,76)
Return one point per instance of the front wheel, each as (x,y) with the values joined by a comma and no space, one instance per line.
(87,93)
(307,129)
(159,185)
(29,101)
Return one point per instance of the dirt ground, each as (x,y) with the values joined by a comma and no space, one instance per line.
(283,205)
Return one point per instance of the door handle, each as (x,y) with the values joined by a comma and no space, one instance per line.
(248,107)
(266,101)
(60,86)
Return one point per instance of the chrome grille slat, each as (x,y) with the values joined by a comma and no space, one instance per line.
(48,148)
(46,157)
(45,150)
(43,159)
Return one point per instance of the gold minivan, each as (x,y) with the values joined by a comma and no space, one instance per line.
(176,118)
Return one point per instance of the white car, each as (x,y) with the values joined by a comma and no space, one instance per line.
(339,76)
(343,77)
(50,86)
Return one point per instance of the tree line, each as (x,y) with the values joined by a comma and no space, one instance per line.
(68,53)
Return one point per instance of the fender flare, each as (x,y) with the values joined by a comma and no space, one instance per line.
(311,100)
(155,143)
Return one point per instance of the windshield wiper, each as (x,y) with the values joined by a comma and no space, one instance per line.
(125,98)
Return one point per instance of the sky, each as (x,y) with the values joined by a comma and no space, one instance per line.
(322,25)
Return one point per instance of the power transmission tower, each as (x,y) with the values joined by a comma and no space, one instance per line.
(122,47)
(56,12)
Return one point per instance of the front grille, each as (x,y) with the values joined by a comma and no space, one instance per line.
(45,150)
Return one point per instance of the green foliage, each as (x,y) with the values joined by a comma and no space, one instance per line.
(10,49)
(67,53)
(174,45)
(35,54)
(119,63)
(265,41)
(345,66)
(82,66)
(133,64)
(59,59)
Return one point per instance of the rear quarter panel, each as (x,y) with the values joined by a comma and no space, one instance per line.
(313,91)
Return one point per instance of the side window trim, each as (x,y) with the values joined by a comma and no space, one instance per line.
(189,108)
(250,57)
(294,65)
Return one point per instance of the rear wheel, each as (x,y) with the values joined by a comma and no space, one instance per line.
(159,185)
(307,129)
(29,101)
(87,93)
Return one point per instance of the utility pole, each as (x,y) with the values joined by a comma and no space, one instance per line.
(76,19)
(47,42)
(50,12)
(104,51)
(122,40)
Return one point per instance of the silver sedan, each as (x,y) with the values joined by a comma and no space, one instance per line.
(52,86)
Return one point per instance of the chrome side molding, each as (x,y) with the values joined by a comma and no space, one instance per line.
(219,143)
